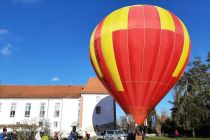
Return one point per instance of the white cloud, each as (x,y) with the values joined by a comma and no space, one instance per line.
(54,79)
(4,31)
(9,42)
(6,50)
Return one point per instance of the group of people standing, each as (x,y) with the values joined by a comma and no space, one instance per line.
(13,135)
(8,136)
(137,135)
(39,136)
(78,136)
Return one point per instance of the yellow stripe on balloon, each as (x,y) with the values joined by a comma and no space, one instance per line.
(117,20)
(93,55)
(166,20)
(185,52)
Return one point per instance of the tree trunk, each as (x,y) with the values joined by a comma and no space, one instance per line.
(193,133)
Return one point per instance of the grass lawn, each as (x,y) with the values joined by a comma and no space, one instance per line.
(168,138)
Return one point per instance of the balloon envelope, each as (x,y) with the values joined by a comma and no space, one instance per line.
(139,52)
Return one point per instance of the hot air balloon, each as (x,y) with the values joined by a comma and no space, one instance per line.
(139,52)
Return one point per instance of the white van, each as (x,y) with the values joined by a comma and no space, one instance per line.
(115,135)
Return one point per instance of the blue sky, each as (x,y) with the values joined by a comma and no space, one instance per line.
(47,41)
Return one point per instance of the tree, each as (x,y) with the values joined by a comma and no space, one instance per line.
(208,57)
(154,123)
(163,116)
(130,122)
(45,126)
(122,122)
(190,107)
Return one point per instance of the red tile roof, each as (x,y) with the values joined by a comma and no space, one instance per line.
(94,85)
(52,91)
(14,91)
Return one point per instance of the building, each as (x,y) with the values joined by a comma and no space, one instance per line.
(89,107)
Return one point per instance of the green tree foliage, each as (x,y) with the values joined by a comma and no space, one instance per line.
(192,97)
(149,118)
(150,127)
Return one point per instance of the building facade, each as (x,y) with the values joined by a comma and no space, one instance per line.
(89,108)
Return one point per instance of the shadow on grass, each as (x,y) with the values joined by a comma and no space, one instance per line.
(174,138)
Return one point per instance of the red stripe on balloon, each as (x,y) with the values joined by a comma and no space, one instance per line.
(135,43)
(103,81)
(107,78)
(135,38)
(150,50)
(172,62)
(167,40)
(172,81)
(151,15)
(177,50)
(136,17)
(121,52)
(178,25)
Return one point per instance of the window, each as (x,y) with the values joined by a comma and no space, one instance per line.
(110,132)
(27,109)
(98,98)
(12,110)
(0,106)
(40,124)
(98,109)
(42,109)
(57,110)
(55,124)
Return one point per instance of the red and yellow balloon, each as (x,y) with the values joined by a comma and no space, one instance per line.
(139,52)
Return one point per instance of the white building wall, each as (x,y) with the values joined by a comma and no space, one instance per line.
(20,110)
(69,115)
(89,116)
(51,111)
(68,112)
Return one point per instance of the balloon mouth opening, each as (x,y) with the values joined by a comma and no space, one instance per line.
(139,113)
(139,119)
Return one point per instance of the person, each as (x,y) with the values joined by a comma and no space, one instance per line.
(138,135)
(44,136)
(9,136)
(87,135)
(131,136)
(56,136)
(79,134)
(176,133)
(38,136)
(71,136)
(14,135)
(75,136)
(32,136)
(3,134)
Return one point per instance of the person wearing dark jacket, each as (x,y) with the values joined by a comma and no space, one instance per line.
(3,134)
(32,136)
(131,136)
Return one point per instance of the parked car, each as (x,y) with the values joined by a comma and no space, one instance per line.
(115,135)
